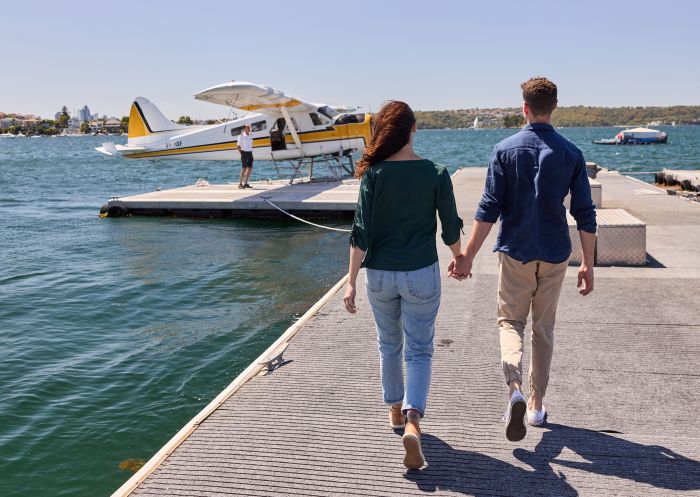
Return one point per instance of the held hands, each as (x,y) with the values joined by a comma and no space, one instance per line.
(460,268)
(349,299)
(585,279)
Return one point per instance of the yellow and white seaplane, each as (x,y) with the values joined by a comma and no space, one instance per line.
(283,129)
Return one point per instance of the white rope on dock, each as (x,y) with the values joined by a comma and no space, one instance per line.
(304,220)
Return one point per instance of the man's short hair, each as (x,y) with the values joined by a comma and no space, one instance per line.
(540,94)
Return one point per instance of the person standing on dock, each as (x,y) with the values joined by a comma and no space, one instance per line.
(393,237)
(245,148)
(529,175)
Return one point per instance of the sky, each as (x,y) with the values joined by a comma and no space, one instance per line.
(432,54)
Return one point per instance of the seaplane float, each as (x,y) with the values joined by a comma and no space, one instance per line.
(284,130)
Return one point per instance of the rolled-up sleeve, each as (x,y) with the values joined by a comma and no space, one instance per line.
(447,210)
(582,208)
(359,235)
(492,201)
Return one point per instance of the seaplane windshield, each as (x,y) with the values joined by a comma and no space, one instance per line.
(350,119)
(327,111)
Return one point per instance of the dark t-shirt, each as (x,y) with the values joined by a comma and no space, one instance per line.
(395,221)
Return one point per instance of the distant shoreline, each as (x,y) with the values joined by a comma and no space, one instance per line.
(567,117)
(621,126)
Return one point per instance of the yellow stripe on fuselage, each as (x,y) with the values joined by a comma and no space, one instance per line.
(217,147)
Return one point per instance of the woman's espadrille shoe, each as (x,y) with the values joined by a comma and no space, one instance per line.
(397,420)
(411,442)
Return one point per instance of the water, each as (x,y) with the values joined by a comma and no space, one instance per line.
(115,332)
(473,148)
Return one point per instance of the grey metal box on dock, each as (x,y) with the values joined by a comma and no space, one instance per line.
(620,241)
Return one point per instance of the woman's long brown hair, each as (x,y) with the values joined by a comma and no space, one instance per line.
(391,130)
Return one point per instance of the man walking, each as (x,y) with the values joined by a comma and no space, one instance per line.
(245,147)
(528,177)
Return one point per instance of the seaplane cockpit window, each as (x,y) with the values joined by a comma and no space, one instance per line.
(236,131)
(258,126)
(315,119)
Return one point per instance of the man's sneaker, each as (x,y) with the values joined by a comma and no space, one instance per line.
(411,442)
(514,417)
(241,187)
(396,418)
(536,418)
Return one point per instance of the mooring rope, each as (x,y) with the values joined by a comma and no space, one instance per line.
(304,220)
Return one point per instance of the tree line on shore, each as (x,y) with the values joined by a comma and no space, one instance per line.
(564,116)
(453,119)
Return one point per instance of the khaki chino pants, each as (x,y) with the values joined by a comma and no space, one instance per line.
(536,284)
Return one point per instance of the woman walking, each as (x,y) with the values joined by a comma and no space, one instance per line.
(393,237)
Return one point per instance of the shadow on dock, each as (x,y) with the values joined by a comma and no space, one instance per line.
(474,473)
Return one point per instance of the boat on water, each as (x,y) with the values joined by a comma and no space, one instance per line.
(635,136)
(476,122)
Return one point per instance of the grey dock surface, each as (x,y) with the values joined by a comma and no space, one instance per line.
(316,199)
(623,397)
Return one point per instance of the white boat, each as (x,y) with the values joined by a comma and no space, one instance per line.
(476,122)
(635,136)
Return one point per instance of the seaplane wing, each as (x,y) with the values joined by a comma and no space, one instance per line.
(252,97)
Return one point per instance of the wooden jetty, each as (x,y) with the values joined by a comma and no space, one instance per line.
(622,400)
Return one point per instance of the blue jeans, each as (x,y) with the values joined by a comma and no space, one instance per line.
(405,304)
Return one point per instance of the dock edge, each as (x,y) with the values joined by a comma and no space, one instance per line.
(248,373)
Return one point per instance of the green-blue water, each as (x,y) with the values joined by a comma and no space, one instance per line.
(115,332)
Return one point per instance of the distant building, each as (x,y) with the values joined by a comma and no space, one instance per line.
(7,122)
(30,122)
(113,126)
(74,122)
(95,126)
(84,114)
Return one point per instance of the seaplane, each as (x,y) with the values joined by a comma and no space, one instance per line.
(285,129)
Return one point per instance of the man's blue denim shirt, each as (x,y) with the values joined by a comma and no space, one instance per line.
(529,175)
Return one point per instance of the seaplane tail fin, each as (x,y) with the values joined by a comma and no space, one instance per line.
(145,119)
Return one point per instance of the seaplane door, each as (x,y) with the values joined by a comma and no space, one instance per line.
(277,138)
(292,127)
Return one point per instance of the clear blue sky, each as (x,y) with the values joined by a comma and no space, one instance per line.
(433,54)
